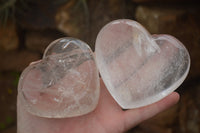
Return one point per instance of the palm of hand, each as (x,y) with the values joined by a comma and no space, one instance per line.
(108,117)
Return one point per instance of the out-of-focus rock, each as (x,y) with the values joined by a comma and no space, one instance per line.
(8,37)
(84,19)
(104,12)
(73,18)
(8,83)
(165,118)
(150,128)
(157,19)
(36,14)
(161,123)
(17,60)
(10,130)
(40,39)
(182,23)
(161,1)
(189,116)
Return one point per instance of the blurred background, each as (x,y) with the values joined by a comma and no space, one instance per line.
(28,26)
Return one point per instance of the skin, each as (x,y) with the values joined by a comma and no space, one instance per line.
(108,117)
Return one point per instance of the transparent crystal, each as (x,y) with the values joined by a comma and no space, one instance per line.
(64,83)
(139,69)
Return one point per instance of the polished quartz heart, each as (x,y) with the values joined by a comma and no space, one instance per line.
(64,83)
(138,68)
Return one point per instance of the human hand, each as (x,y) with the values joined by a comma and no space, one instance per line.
(108,117)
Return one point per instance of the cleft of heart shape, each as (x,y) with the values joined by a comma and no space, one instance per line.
(137,68)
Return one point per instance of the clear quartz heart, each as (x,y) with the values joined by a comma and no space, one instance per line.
(138,68)
(64,83)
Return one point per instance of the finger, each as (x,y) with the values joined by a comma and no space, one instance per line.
(135,116)
(106,100)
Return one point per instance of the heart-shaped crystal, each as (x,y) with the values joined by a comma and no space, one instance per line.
(64,83)
(139,69)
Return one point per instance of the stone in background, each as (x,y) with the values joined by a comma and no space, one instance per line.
(17,60)
(36,14)
(84,20)
(8,37)
(72,18)
(189,111)
(165,1)
(8,83)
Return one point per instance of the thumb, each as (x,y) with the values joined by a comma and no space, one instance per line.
(135,116)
